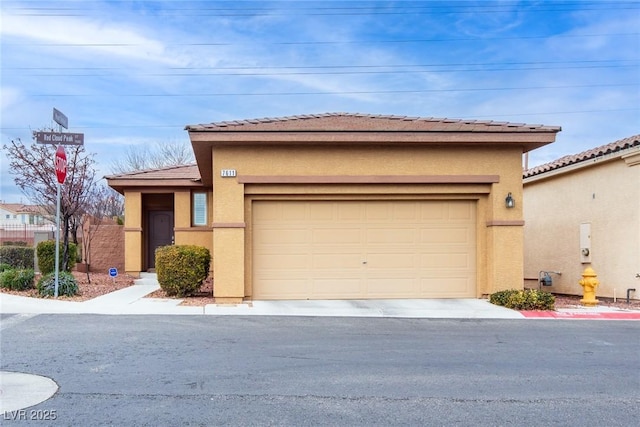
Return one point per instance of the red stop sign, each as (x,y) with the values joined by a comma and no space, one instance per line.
(60,162)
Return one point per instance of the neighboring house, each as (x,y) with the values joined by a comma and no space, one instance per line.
(12,214)
(341,206)
(19,222)
(584,210)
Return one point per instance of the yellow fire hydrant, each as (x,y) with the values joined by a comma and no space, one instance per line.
(589,284)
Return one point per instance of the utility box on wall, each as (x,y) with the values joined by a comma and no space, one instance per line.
(585,243)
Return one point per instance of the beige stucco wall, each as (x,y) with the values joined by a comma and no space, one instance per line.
(133,232)
(499,229)
(184,232)
(605,195)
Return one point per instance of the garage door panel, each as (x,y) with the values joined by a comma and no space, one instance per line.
(294,213)
(333,261)
(336,236)
(294,288)
(280,261)
(390,235)
(378,211)
(447,261)
(392,287)
(391,261)
(363,249)
(446,235)
(460,211)
(288,236)
(405,212)
(321,212)
(349,211)
(435,211)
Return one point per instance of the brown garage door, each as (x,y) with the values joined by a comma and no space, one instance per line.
(364,249)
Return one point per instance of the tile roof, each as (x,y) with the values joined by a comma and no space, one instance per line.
(369,122)
(189,172)
(614,147)
(21,208)
(184,176)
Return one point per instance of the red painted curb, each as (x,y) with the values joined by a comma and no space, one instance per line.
(600,315)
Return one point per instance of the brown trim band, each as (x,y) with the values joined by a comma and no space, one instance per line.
(229,225)
(368,179)
(503,223)
(132,229)
(192,229)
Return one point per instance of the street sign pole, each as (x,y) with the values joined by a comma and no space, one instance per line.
(55,294)
(60,163)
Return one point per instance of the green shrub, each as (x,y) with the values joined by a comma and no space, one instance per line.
(4,267)
(529,299)
(67,285)
(181,269)
(16,243)
(46,256)
(17,279)
(19,257)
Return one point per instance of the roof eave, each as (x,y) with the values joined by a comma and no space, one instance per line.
(122,184)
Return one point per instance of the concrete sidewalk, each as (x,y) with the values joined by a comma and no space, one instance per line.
(132,300)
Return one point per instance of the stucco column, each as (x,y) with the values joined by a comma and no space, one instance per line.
(506,267)
(133,232)
(228,238)
(182,209)
(505,235)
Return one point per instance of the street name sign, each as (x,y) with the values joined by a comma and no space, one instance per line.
(60,119)
(59,138)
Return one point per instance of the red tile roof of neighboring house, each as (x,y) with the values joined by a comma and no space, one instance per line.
(22,208)
(614,147)
(371,122)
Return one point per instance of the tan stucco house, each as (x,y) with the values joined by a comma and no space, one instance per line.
(342,206)
(584,210)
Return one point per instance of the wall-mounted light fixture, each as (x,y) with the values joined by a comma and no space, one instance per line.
(509,201)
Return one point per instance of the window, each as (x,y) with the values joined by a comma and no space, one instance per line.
(199,209)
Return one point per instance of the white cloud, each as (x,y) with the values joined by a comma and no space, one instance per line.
(95,37)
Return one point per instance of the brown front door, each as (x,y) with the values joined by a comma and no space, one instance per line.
(160,233)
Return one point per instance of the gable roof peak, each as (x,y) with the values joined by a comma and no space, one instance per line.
(343,121)
(172,168)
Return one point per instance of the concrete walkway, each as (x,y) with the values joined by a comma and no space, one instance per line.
(132,300)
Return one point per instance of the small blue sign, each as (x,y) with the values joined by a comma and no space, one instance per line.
(113,272)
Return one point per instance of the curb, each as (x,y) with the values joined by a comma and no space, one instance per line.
(589,315)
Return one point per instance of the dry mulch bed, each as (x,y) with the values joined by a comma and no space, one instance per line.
(573,301)
(201,298)
(101,284)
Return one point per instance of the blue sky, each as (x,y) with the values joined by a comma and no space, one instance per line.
(136,72)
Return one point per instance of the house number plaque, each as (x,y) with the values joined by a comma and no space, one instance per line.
(228,173)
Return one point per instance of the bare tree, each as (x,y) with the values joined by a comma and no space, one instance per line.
(34,173)
(142,157)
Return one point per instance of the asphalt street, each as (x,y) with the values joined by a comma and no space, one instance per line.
(230,370)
